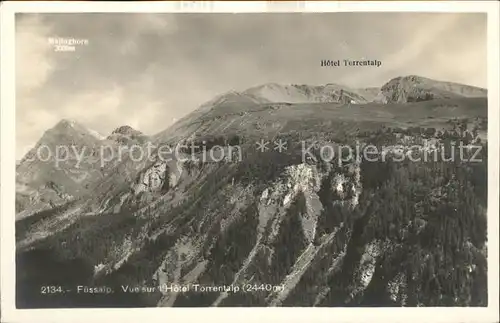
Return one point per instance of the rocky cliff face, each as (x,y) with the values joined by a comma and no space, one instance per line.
(291,230)
(126,135)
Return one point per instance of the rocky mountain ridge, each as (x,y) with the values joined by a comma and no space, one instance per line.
(403,89)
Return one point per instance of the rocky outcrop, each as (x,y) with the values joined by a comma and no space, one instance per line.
(414,88)
(128,136)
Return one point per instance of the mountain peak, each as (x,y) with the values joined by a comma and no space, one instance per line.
(270,85)
(126,130)
(230,98)
(68,126)
(413,78)
(64,133)
(66,123)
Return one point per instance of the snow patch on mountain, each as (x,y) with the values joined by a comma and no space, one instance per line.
(153,179)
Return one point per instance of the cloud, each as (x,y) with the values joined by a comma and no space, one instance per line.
(437,46)
(33,60)
(146,70)
(91,106)
(144,25)
(34,124)
(34,66)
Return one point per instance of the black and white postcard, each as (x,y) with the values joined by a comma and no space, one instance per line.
(290,162)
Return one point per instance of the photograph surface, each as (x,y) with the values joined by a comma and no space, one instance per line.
(251,160)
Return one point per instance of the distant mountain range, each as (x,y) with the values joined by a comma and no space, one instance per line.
(329,235)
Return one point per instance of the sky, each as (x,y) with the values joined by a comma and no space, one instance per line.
(149,70)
